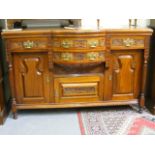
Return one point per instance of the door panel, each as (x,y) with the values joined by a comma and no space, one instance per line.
(126,74)
(31,77)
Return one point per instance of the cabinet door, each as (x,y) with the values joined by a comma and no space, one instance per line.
(31,78)
(127,73)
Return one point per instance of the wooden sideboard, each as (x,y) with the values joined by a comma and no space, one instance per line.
(59,68)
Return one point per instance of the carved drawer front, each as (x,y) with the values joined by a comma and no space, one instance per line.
(27,44)
(127,42)
(78,89)
(78,43)
(78,57)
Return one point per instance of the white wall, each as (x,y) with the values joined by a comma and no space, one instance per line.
(113,23)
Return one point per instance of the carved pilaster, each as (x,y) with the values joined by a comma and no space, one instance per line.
(11,76)
(12,85)
(144,73)
(50,61)
(108,52)
(108,70)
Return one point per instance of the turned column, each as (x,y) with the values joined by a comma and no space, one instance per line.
(144,73)
(12,85)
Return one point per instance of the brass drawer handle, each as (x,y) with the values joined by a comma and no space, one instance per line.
(66,44)
(28,44)
(67,56)
(93,44)
(92,56)
(128,42)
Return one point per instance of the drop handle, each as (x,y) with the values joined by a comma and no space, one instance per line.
(128,42)
(28,44)
(93,44)
(92,56)
(66,44)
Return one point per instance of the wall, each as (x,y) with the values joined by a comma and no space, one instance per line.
(152,22)
(113,23)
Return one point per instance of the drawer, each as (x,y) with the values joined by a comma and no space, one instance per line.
(27,44)
(127,42)
(78,57)
(78,43)
(78,89)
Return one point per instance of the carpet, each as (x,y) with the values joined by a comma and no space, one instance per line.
(116,121)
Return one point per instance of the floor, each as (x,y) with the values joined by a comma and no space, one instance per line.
(66,121)
(42,122)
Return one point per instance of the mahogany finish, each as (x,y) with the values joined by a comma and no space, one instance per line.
(59,68)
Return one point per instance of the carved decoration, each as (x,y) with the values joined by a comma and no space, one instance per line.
(28,44)
(79,90)
(107,59)
(127,42)
(101,42)
(146,51)
(72,56)
(146,56)
(9,59)
(79,56)
(79,43)
(139,42)
(56,43)
(50,60)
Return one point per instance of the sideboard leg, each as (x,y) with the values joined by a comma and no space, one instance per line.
(14,115)
(141,103)
(14,109)
(140,110)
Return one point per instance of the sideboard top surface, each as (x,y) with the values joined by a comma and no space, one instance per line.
(140,31)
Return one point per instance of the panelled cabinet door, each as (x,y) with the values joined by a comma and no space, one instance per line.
(127,74)
(31,78)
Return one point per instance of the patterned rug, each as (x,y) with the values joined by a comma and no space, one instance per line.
(116,121)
